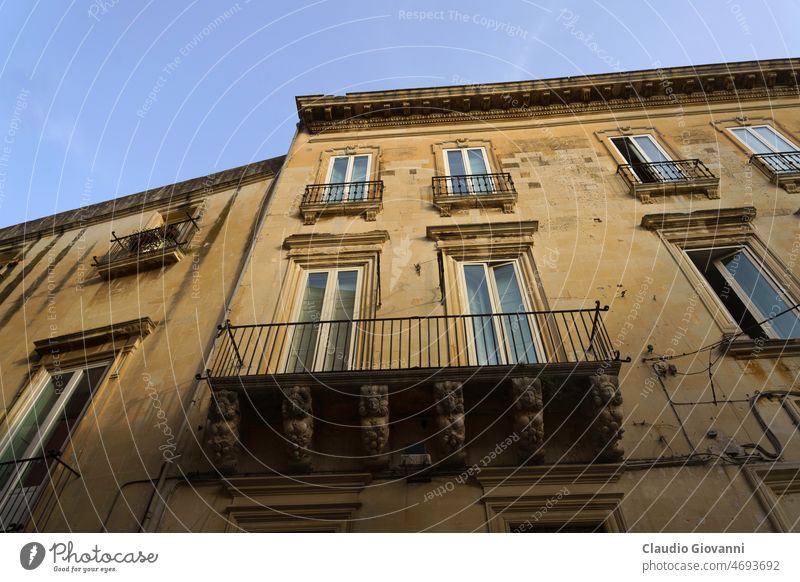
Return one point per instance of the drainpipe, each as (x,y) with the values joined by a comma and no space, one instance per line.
(153,512)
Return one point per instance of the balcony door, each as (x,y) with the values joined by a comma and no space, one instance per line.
(347,177)
(468,171)
(763,139)
(499,330)
(44,428)
(322,331)
(648,161)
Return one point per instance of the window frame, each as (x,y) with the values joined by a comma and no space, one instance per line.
(470,186)
(749,129)
(678,176)
(653,140)
(350,164)
(494,298)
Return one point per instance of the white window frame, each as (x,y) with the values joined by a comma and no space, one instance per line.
(325,313)
(740,292)
(494,298)
(749,128)
(351,161)
(348,178)
(680,175)
(467,165)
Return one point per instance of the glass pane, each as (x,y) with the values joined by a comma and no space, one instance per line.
(775,141)
(662,170)
(763,295)
(358,191)
(455,160)
(755,144)
(484,336)
(635,159)
(477,165)
(337,350)
(516,325)
(338,176)
(305,332)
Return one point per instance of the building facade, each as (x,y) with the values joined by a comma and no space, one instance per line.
(555,305)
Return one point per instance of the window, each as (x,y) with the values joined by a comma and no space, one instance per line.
(43,429)
(322,335)
(648,161)
(468,171)
(346,178)
(748,292)
(500,330)
(764,140)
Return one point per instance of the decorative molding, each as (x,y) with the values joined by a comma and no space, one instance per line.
(707,219)
(113,333)
(770,483)
(373,408)
(450,433)
(605,414)
(496,478)
(527,417)
(279,485)
(522,228)
(321,240)
(638,90)
(224,420)
(298,425)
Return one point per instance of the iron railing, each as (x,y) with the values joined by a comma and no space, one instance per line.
(29,490)
(443,341)
(148,242)
(671,171)
(472,185)
(780,163)
(345,192)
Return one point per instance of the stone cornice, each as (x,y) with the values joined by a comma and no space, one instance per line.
(677,86)
(92,337)
(489,230)
(316,240)
(494,478)
(302,485)
(155,198)
(724,217)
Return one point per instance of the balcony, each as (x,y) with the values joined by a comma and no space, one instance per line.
(783,169)
(147,249)
(347,198)
(29,491)
(669,178)
(474,191)
(558,368)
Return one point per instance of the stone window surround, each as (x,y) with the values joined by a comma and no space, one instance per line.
(725,227)
(553,495)
(325,157)
(321,251)
(769,483)
(487,242)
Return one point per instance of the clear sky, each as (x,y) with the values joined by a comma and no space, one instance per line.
(103,98)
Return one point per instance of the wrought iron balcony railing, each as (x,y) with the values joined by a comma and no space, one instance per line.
(149,242)
(672,171)
(29,490)
(343,193)
(780,163)
(432,342)
(473,185)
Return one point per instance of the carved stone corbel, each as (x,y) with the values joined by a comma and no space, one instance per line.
(298,425)
(450,422)
(605,432)
(527,417)
(224,418)
(373,407)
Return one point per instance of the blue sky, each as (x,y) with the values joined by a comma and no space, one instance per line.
(103,98)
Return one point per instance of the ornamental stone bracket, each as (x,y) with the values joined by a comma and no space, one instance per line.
(298,426)
(373,407)
(605,409)
(527,417)
(224,419)
(449,422)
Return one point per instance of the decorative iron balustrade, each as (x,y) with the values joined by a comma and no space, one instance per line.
(29,490)
(343,193)
(173,235)
(671,171)
(780,163)
(429,342)
(473,185)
